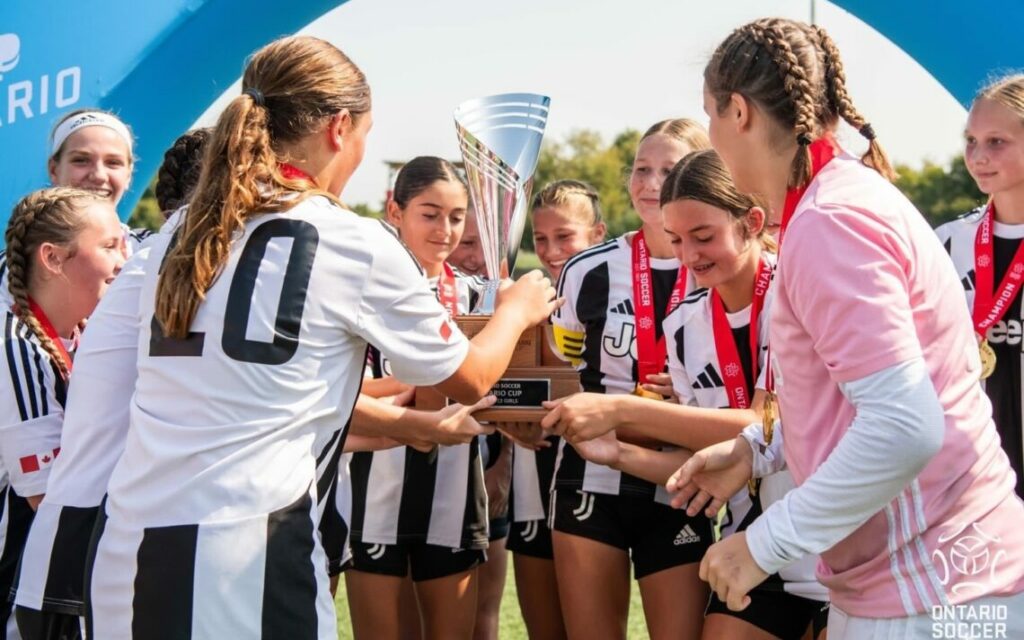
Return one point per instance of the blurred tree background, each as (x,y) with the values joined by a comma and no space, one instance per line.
(941,192)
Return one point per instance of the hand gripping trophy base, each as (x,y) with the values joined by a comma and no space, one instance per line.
(535,374)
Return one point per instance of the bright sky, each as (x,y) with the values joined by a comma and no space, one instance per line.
(606,65)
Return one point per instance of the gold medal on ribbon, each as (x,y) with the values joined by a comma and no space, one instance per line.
(769,413)
(988,359)
(644,393)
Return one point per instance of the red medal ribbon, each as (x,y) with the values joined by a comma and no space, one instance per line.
(447,292)
(48,329)
(725,344)
(990,305)
(822,151)
(291,172)
(651,352)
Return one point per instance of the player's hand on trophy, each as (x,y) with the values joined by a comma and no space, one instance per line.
(528,435)
(603,450)
(581,416)
(532,297)
(455,423)
(711,476)
(661,384)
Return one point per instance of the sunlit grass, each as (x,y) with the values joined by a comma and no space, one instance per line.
(512,626)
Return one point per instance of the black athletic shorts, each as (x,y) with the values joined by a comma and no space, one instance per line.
(657,536)
(781,614)
(498,528)
(530,538)
(426,561)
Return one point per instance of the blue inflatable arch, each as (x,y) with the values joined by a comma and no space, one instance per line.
(161,64)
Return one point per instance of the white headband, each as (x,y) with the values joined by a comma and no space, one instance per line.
(89,119)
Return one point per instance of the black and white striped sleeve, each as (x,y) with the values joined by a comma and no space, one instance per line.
(32,413)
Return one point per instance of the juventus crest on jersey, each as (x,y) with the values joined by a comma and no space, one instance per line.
(1005,387)
(402,495)
(596,328)
(209,525)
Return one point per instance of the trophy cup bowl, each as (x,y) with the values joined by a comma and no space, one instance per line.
(500,137)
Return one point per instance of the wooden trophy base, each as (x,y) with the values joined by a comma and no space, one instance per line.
(535,374)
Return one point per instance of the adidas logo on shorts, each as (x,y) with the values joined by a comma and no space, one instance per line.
(686,535)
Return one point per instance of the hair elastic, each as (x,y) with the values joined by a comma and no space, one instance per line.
(256,95)
(804,139)
(867,131)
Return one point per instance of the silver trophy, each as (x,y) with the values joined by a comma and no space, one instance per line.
(499,137)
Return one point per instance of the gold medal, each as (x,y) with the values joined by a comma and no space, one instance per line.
(769,412)
(988,359)
(644,393)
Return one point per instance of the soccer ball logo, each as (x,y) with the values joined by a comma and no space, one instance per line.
(732,369)
(984,261)
(969,555)
(646,323)
(1018,269)
(969,559)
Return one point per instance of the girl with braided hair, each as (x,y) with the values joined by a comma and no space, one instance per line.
(901,484)
(63,250)
(209,525)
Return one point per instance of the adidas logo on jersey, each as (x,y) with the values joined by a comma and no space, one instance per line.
(708,379)
(624,307)
(968,281)
(686,535)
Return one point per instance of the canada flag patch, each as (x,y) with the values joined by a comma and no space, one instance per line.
(38,462)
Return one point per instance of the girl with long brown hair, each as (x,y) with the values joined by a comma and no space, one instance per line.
(254,318)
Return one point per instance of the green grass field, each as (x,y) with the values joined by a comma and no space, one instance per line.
(512,626)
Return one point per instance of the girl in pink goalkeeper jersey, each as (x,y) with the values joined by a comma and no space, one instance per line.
(902,485)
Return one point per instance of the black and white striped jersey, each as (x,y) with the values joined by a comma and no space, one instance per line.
(1005,386)
(401,495)
(698,381)
(532,474)
(31,416)
(93,437)
(596,329)
(209,527)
